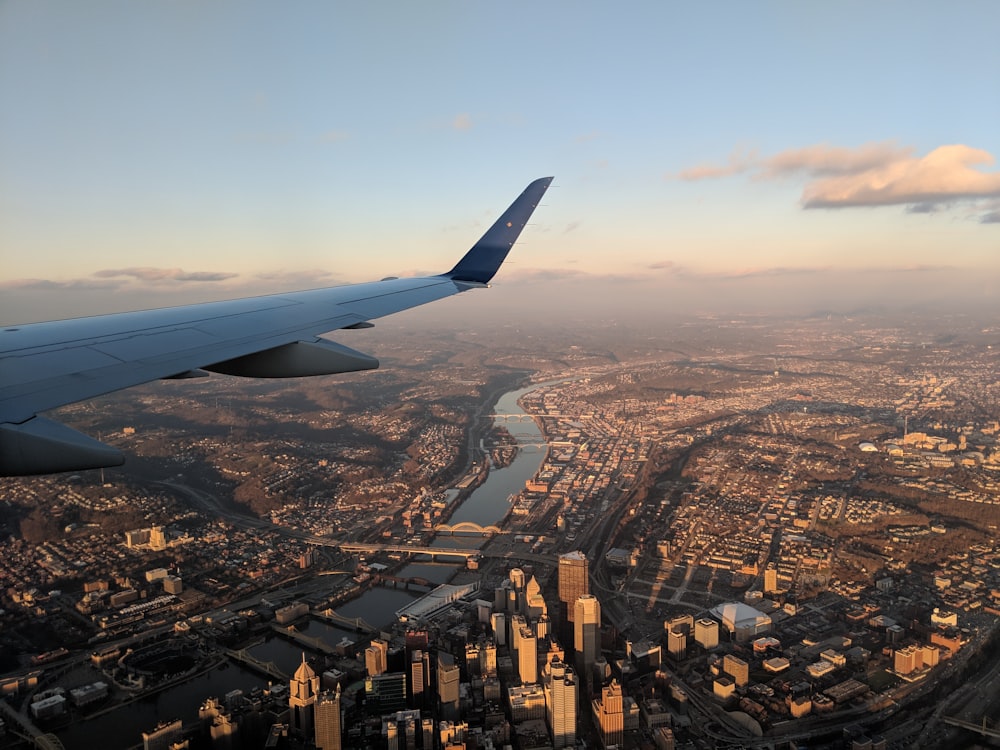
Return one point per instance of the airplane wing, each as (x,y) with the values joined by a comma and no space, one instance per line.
(45,365)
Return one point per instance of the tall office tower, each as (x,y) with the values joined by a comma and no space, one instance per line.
(427,731)
(417,638)
(328,720)
(561,699)
(554,651)
(736,668)
(517,578)
(302,699)
(473,660)
(682,624)
(448,679)
(498,621)
(391,732)
(587,633)
(516,594)
(574,582)
(527,656)
(608,711)
(420,676)
(534,602)
(543,627)
(377,657)
(489,659)
(385,693)
(677,644)
(410,724)
(706,633)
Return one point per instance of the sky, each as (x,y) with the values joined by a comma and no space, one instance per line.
(717,156)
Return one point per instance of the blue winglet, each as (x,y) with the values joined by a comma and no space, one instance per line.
(481,262)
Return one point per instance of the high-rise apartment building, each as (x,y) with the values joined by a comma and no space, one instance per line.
(329,730)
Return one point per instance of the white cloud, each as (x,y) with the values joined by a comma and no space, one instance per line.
(946,174)
(152,274)
(874,174)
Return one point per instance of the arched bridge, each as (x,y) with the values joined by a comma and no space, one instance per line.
(467,527)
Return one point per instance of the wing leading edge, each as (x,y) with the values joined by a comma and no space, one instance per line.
(46,365)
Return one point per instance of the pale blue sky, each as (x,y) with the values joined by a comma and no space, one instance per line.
(199,147)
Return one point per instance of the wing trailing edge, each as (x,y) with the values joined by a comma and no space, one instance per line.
(41,446)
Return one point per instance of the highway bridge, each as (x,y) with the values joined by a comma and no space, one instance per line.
(406,549)
(357,623)
(984,728)
(268,668)
(469,527)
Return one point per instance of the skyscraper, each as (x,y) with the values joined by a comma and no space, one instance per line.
(328,720)
(574,582)
(377,657)
(561,699)
(587,632)
(706,633)
(677,643)
(534,602)
(738,669)
(448,690)
(302,699)
(527,654)
(610,714)
(420,667)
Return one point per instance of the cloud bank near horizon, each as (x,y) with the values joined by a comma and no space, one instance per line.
(874,174)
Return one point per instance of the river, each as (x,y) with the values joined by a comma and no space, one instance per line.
(486,505)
